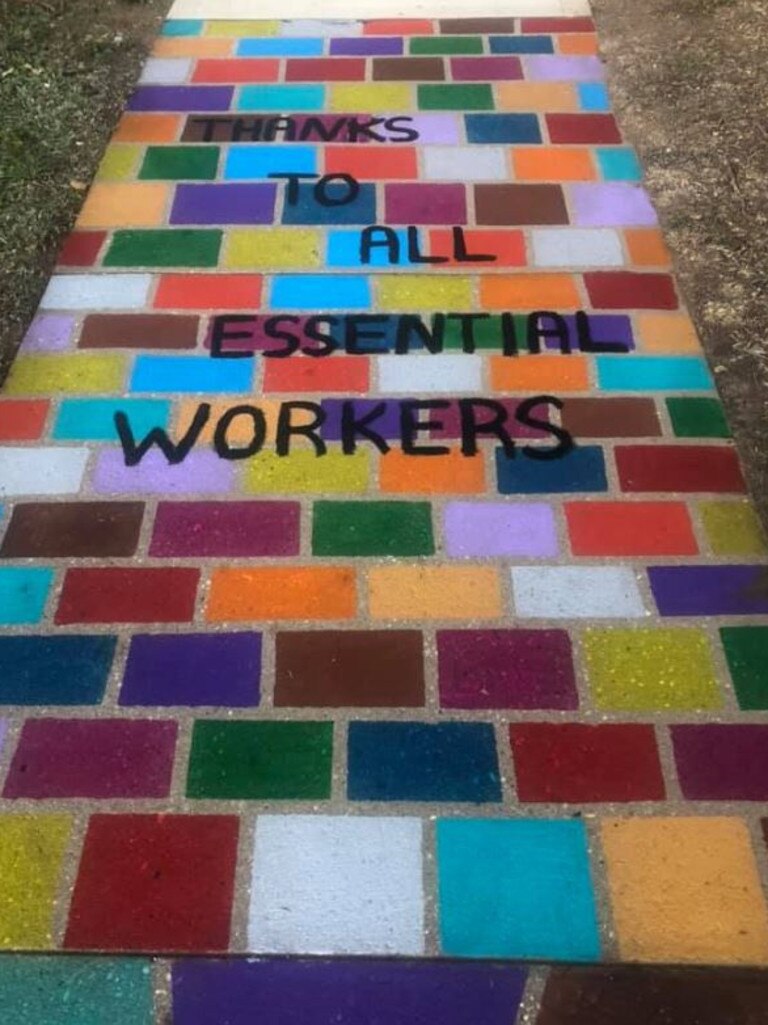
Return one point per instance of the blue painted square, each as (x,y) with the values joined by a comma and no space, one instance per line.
(94,419)
(320,292)
(522,44)
(66,669)
(182,27)
(307,210)
(199,374)
(502,128)
(582,469)
(516,889)
(276,47)
(23,593)
(619,164)
(281,98)
(653,373)
(404,761)
(245,162)
(344,250)
(593,96)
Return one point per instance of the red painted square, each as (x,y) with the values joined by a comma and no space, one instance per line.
(623,290)
(22,419)
(208,292)
(155,883)
(630,528)
(335,374)
(578,763)
(81,248)
(673,468)
(508,247)
(557,25)
(129,595)
(584,128)
(236,69)
(325,69)
(369,165)
(398,27)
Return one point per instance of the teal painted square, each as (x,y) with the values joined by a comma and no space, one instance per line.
(593,96)
(248,162)
(182,27)
(653,373)
(73,990)
(94,419)
(516,888)
(23,593)
(282,98)
(320,292)
(619,164)
(344,250)
(198,374)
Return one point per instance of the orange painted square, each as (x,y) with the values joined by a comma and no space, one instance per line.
(552,97)
(507,246)
(548,374)
(241,427)
(22,419)
(647,248)
(194,46)
(208,292)
(332,374)
(553,164)
(666,332)
(236,69)
(124,205)
(394,27)
(434,592)
(451,474)
(147,128)
(367,163)
(529,292)
(573,43)
(268,593)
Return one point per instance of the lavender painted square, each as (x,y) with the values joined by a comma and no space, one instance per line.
(223,204)
(220,670)
(367,46)
(546,68)
(345,992)
(182,98)
(202,472)
(387,424)
(710,590)
(487,529)
(607,205)
(437,129)
(718,762)
(48,332)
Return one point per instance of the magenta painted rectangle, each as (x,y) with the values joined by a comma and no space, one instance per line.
(450,421)
(101,758)
(201,472)
(722,762)
(226,528)
(425,204)
(486,69)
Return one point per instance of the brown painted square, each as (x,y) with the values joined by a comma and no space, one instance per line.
(408,69)
(73,530)
(520,204)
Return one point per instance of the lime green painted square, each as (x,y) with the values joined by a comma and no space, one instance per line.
(119,163)
(161,247)
(372,528)
(176,163)
(31,852)
(746,651)
(446,44)
(650,670)
(260,760)
(71,373)
(455,97)
(697,418)
(732,528)
(304,472)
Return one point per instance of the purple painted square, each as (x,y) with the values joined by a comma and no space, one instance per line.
(216,669)
(717,762)
(223,204)
(524,529)
(48,332)
(425,204)
(253,529)
(99,758)
(202,472)
(182,98)
(486,69)
(435,129)
(710,590)
(546,68)
(506,669)
(608,327)
(345,992)
(387,425)
(367,46)
(613,204)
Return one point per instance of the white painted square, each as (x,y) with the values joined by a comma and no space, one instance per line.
(96,292)
(165,71)
(41,471)
(413,374)
(576,247)
(576,592)
(326,884)
(464,163)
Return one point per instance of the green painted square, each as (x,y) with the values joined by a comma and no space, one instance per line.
(455,97)
(697,418)
(746,651)
(161,247)
(372,528)
(651,670)
(267,761)
(74,990)
(446,45)
(177,163)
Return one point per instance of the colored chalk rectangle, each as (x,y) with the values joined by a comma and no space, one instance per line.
(196,374)
(281,97)
(581,469)
(381,248)
(709,590)
(279,47)
(223,204)
(320,292)
(246,162)
(653,373)
(64,669)
(94,419)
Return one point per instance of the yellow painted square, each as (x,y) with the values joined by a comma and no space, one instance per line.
(74,374)
(650,670)
(303,472)
(732,528)
(685,890)
(124,205)
(31,851)
(423,292)
(666,332)
(119,163)
(272,248)
(241,29)
(434,592)
(372,97)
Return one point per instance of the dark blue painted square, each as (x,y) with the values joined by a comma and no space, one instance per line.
(402,761)
(522,44)
(582,469)
(69,669)
(306,210)
(502,128)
